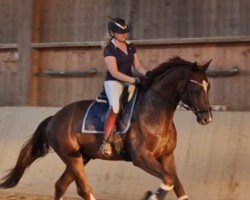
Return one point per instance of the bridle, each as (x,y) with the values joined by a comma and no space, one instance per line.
(193,107)
(186,88)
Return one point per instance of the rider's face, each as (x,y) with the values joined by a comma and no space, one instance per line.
(121,37)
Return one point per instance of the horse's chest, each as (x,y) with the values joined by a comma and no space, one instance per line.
(166,147)
(159,145)
(160,134)
(166,144)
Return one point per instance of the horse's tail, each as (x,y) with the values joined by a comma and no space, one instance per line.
(36,147)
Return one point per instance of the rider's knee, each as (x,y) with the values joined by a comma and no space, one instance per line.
(116,108)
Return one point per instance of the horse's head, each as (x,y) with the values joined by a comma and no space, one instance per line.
(194,92)
(178,79)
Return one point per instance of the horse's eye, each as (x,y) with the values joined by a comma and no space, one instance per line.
(196,89)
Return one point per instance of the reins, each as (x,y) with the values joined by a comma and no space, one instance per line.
(171,101)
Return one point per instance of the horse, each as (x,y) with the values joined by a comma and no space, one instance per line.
(149,143)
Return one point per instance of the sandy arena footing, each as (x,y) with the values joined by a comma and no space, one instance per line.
(212,161)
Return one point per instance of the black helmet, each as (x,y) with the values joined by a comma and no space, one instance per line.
(118,25)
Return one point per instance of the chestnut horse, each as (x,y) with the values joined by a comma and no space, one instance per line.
(149,143)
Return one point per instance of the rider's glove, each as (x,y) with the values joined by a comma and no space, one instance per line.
(138,82)
(149,74)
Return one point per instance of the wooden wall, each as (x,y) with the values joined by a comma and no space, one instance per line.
(15,45)
(53,91)
(8,77)
(230,91)
(85,20)
(58,91)
(64,34)
(8,21)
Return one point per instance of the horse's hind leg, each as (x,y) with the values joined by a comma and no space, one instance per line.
(64,181)
(75,171)
(76,167)
(62,184)
(83,188)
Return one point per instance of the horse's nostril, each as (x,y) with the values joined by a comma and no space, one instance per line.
(207,120)
(204,118)
(204,121)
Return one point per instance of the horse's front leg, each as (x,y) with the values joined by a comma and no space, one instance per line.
(168,163)
(146,161)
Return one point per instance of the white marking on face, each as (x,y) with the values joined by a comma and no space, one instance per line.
(204,84)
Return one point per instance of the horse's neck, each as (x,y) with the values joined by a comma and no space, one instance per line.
(154,111)
(166,90)
(152,116)
(157,104)
(161,99)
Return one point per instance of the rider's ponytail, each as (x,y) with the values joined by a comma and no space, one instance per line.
(106,40)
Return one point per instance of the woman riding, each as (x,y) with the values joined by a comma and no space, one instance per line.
(120,56)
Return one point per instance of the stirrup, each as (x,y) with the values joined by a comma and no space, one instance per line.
(118,143)
(106,148)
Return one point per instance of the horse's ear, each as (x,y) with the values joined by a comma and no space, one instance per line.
(195,64)
(205,67)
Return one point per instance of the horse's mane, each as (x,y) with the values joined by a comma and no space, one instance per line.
(165,66)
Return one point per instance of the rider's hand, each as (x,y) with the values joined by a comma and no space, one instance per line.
(138,81)
(149,74)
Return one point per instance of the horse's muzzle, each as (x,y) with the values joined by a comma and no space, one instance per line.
(204,117)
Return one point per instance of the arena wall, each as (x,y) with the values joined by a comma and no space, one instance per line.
(213,161)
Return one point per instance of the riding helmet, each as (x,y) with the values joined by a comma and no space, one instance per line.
(118,25)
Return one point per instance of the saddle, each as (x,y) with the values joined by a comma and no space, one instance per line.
(95,116)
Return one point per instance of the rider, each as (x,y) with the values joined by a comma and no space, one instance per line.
(119,56)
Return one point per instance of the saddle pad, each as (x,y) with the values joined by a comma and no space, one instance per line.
(95,116)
